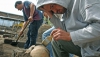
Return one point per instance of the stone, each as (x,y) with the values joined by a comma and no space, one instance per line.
(20,53)
(41,30)
(39,51)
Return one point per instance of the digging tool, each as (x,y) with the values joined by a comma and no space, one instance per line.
(47,40)
(16,42)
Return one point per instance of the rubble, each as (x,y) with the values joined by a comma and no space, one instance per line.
(6,50)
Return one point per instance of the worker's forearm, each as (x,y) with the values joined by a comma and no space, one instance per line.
(32,9)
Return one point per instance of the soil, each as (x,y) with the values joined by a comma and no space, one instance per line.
(7,50)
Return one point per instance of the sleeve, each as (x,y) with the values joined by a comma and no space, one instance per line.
(40,14)
(56,22)
(92,31)
(25,17)
(27,4)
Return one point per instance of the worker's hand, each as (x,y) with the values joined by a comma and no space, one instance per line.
(30,18)
(50,13)
(59,34)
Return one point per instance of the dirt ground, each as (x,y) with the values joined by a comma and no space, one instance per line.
(7,50)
